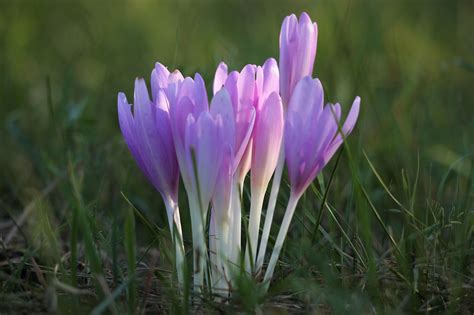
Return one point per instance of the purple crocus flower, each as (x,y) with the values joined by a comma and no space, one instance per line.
(162,79)
(312,136)
(201,136)
(267,139)
(298,41)
(311,132)
(249,90)
(147,133)
(188,98)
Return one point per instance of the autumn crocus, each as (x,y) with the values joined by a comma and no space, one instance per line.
(200,138)
(313,133)
(298,42)
(267,138)
(147,133)
(249,89)
(258,119)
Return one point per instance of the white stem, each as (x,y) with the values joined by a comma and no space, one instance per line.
(236,233)
(222,259)
(271,209)
(174,222)
(219,249)
(199,242)
(290,210)
(256,204)
(213,246)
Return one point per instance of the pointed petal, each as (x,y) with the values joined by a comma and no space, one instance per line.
(346,130)
(231,87)
(271,76)
(148,140)
(307,100)
(351,117)
(201,102)
(246,86)
(219,77)
(179,119)
(222,194)
(159,79)
(286,56)
(175,76)
(267,141)
(127,126)
(208,154)
(221,105)
(245,122)
(306,50)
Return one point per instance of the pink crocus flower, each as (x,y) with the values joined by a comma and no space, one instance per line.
(249,89)
(298,42)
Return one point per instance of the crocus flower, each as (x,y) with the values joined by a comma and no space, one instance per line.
(298,41)
(152,147)
(311,132)
(147,133)
(312,136)
(267,138)
(187,97)
(163,80)
(248,90)
(200,138)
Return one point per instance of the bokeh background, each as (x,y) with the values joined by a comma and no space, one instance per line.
(62,64)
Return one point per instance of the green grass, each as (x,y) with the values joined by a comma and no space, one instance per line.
(389,231)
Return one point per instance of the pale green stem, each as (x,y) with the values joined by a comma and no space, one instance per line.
(290,210)
(256,204)
(176,234)
(271,209)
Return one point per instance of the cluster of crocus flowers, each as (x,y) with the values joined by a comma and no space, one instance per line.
(258,120)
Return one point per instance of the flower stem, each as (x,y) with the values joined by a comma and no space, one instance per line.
(199,242)
(290,210)
(256,204)
(271,209)
(174,222)
(236,233)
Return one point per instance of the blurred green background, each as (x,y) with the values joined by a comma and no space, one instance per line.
(62,64)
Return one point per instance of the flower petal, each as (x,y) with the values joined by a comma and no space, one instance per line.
(159,79)
(267,140)
(346,130)
(220,77)
(221,105)
(246,86)
(208,154)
